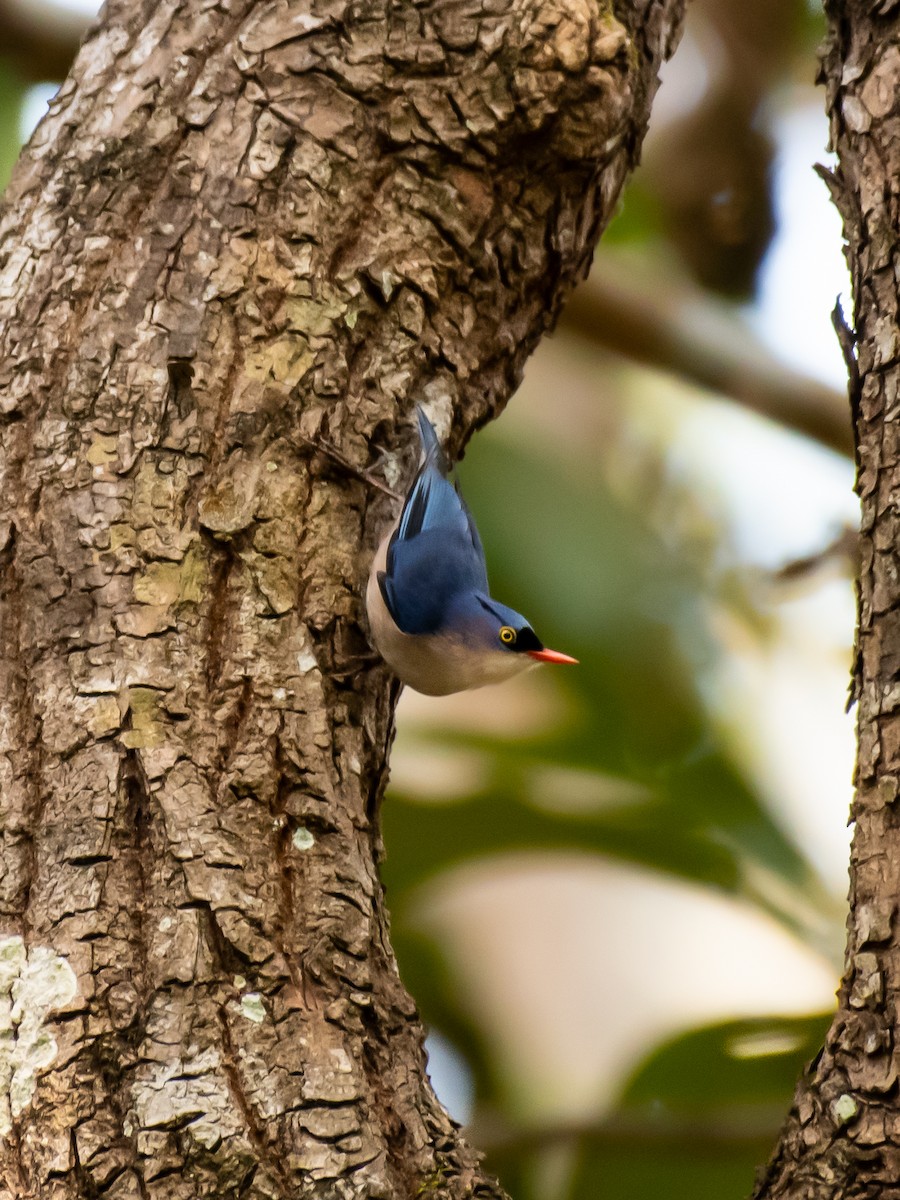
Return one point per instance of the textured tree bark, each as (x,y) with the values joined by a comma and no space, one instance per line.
(842,1138)
(246,231)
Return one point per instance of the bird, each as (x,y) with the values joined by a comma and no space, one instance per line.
(431,615)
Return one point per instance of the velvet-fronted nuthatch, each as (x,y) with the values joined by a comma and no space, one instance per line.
(430,610)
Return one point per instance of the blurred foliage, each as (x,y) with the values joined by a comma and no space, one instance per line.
(12,89)
(632,612)
(599,578)
(737,1063)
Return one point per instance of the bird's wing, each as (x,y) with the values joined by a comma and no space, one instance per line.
(434,502)
(475,539)
(435,551)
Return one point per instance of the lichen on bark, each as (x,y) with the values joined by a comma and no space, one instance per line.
(243,234)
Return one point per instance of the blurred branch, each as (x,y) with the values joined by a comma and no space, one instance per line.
(40,38)
(709,158)
(675,328)
(709,1134)
(842,550)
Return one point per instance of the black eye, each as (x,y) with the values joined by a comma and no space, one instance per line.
(507,635)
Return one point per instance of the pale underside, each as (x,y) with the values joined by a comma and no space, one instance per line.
(434,664)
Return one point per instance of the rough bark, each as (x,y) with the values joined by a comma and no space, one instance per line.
(842,1138)
(246,231)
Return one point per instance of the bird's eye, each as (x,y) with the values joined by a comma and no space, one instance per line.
(507,635)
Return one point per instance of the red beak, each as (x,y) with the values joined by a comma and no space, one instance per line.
(552,656)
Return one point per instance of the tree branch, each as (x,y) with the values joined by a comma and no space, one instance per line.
(841,1138)
(676,328)
(706,1134)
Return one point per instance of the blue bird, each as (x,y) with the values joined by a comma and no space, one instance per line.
(431,614)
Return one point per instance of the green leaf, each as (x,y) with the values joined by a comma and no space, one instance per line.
(648,1172)
(732,1065)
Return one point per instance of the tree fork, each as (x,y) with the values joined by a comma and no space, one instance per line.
(243,232)
(842,1137)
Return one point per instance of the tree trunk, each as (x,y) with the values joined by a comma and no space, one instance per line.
(842,1138)
(244,240)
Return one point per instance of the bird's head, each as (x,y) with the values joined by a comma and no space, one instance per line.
(499,638)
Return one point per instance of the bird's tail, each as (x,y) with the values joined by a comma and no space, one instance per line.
(432,451)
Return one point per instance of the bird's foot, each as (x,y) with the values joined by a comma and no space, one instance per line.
(330,451)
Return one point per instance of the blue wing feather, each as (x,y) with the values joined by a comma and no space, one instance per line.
(435,552)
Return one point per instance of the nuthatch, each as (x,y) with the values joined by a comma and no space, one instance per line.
(430,611)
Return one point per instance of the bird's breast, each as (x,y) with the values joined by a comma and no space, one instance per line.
(435,664)
(429,663)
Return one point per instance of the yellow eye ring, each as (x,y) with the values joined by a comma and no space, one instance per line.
(507,635)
